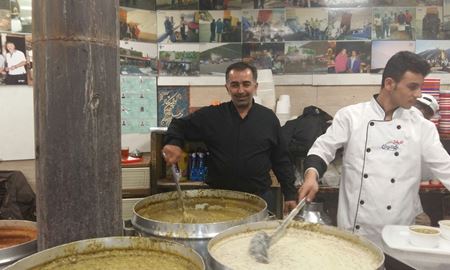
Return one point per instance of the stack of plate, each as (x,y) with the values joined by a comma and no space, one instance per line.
(431,86)
(444,109)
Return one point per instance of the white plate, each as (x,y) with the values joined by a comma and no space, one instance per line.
(397,237)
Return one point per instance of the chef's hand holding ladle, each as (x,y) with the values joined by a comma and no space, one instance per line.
(176,177)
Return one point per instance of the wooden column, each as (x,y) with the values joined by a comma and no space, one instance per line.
(77,120)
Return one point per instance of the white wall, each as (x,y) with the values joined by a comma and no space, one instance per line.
(16,122)
(17,125)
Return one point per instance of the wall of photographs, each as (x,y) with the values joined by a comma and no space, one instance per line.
(202,37)
(15,42)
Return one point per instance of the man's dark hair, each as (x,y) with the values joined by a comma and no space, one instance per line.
(402,62)
(240,66)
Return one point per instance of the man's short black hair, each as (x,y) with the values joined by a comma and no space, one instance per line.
(240,66)
(402,62)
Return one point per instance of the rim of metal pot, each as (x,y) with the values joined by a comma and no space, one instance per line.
(11,254)
(194,230)
(364,242)
(108,243)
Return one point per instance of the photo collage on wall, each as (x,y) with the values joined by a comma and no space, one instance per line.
(298,36)
(15,41)
(138,65)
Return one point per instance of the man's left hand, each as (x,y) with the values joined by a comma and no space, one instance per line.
(288,206)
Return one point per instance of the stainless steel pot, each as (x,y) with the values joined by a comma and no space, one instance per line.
(108,243)
(11,254)
(313,213)
(265,225)
(196,236)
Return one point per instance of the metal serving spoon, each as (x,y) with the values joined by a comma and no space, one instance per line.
(176,177)
(261,242)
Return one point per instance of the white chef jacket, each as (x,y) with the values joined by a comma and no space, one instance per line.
(382,161)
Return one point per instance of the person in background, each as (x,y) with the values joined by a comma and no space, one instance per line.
(244,140)
(212,27)
(385,143)
(183,28)
(378,26)
(2,64)
(341,61)
(354,63)
(219,29)
(428,106)
(15,65)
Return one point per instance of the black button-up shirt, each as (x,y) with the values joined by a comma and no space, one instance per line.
(242,151)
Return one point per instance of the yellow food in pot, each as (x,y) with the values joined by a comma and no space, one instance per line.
(199,210)
(119,259)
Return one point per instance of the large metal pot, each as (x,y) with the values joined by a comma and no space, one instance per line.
(110,243)
(360,242)
(194,235)
(11,254)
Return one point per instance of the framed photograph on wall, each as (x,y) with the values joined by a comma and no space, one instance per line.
(299,57)
(347,3)
(265,56)
(20,12)
(220,4)
(262,4)
(306,24)
(382,50)
(173,102)
(137,24)
(177,26)
(139,4)
(436,53)
(352,57)
(429,2)
(428,23)
(397,23)
(179,59)
(14,62)
(263,25)
(176,5)
(138,58)
(395,3)
(5,15)
(220,26)
(349,24)
(216,57)
(324,56)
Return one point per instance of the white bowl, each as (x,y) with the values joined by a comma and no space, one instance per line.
(444,225)
(424,236)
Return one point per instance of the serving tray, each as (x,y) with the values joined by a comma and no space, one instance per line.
(397,237)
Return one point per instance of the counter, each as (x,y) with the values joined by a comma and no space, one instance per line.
(432,201)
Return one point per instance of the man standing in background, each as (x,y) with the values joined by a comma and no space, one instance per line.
(244,140)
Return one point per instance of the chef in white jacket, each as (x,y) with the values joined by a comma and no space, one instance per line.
(385,145)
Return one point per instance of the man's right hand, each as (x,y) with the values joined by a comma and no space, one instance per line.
(172,154)
(310,186)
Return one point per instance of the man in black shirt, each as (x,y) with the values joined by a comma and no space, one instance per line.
(244,140)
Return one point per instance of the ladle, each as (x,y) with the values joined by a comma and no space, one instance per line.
(261,242)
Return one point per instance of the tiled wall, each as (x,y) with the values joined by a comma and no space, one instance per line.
(328,98)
